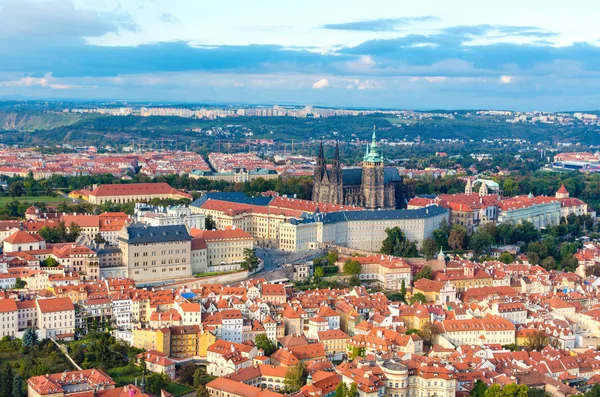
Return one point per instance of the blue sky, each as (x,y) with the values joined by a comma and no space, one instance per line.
(524,55)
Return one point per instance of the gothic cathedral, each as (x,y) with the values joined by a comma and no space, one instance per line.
(373,186)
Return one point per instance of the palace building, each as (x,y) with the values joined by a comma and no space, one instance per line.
(373,186)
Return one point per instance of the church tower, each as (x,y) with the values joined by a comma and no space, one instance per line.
(469,187)
(483,190)
(337,192)
(320,169)
(373,177)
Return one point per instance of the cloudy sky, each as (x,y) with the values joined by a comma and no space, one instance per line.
(525,54)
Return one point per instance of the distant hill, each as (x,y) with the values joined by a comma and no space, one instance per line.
(35,120)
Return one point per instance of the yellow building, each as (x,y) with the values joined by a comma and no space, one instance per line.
(185,341)
(205,339)
(153,339)
(466,277)
(334,341)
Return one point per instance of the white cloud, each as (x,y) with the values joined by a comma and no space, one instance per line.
(435,79)
(507,79)
(323,83)
(46,82)
(167,17)
(361,84)
(58,18)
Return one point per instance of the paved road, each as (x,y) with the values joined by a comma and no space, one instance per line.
(275,260)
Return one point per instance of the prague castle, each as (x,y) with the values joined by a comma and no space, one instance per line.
(373,186)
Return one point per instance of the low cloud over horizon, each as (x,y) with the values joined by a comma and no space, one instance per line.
(381,63)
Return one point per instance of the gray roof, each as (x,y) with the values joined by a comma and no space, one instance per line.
(143,234)
(108,250)
(353,176)
(345,216)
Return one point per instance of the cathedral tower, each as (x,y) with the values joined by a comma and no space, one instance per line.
(320,169)
(373,177)
(336,178)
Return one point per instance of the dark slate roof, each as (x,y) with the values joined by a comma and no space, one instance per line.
(344,216)
(108,250)
(143,234)
(235,197)
(353,176)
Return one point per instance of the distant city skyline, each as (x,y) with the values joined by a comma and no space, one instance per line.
(465,54)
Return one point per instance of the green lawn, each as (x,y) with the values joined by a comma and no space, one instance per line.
(178,390)
(35,199)
(127,375)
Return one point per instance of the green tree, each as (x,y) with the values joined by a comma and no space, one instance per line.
(17,386)
(6,386)
(319,273)
(504,233)
(418,297)
(429,248)
(403,291)
(157,382)
(481,242)
(357,352)
(506,257)
(295,378)
(354,281)
(457,237)
(201,377)
(478,390)
(510,187)
(428,331)
(526,232)
(185,374)
(19,284)
(533,392)
(514,390)
(549,263)
(425,272)
(352,266)
(441,234)
(16,189)
(30,337)
(332,257)
(536,341)
(73,233)
(250,261)
(397,244)
(493,391)
(341,390)
(50,262)
(353,390)
(39,369)
(202,391)
(263,342)
(209,223)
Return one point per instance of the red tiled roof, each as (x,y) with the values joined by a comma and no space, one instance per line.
(136,189)
(55,305)
(21,237)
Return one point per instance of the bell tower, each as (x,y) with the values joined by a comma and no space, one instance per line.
(373,176)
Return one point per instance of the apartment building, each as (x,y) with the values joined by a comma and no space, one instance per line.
(56,317)
(224,248)
(156,253)
(488,330)
(9,318)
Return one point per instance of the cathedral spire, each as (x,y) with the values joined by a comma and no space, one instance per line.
(337,168)
(371,155)
(320,166)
